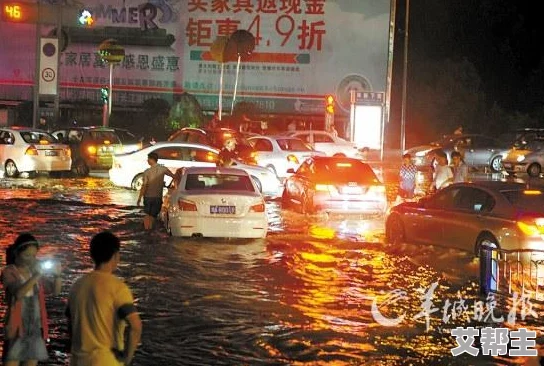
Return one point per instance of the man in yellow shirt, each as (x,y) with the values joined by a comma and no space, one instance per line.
(100,306)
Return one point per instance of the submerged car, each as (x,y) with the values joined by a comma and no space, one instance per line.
(215,202)
(91,147)
(27,150)
(335,185)
(466,216)
(127,170)
(526,156)
(281,153)
(477,151)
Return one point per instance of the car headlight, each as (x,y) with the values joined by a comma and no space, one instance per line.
(520,158)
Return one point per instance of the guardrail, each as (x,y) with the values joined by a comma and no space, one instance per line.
(507,271)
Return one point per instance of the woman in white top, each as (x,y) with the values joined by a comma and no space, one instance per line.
(443,175)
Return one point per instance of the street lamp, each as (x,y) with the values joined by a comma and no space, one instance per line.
(405,78)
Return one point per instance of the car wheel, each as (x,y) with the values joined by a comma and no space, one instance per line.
(257,183)
(496,164)
(11,169)
(272,169)
(80,169)
(137,182)
(394,231)
(488,264)
(534,170)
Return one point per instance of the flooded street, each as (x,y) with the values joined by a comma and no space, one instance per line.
(303,296)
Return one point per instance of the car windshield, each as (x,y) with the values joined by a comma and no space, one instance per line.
(219,182)
(104,136)
(527,200)
(343,171)
(293,145)
(37,137)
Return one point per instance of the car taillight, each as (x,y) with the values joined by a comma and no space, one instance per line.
(185,205)
(92,150)
(31,150)
(68,152)
(257,208)
(531,226)
(292,158)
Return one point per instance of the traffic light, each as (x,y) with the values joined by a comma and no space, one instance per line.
(85,18)
(104,94)
(329,104)
(19,12)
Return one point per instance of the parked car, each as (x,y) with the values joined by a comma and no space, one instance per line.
(466,216)
(280,153)
(128,140)
(215,202)
(477,151)
(336,185)
(527,156)
(216,138)
(92,147)
(127,170)
(327,143)
(28,150)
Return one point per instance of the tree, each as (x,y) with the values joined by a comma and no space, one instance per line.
(156,118)
(186,112)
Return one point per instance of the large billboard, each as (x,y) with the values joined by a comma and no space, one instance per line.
(304,50)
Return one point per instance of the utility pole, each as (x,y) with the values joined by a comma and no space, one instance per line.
(59,37)
(36,89)
(405,77)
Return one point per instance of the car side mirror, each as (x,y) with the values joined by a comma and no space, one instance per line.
(291,171)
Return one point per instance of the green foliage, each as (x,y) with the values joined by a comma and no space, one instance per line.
(186,112)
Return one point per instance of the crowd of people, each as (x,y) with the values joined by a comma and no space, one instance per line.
(100,306)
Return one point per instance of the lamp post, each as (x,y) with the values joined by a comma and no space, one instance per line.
(405,78)
(112,53)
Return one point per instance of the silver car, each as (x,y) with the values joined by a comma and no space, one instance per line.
(466,216)
(27,150)
(477,151)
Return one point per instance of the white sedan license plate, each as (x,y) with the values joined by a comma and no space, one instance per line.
(227,210)
(51,153)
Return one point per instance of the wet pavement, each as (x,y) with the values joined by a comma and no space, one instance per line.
(302,296)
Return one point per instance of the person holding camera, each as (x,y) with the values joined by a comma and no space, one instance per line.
(26,281)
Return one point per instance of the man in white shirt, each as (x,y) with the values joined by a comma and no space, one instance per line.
(443,175)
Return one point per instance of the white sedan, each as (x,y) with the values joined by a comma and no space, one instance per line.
(127,169)
(215,202)
(27,150)
(328,143)
(281,153)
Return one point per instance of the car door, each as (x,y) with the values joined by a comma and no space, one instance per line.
(463,224)
(9,148)
(425,223)
(171,157)
(480,150)
(324,142)
(4,139)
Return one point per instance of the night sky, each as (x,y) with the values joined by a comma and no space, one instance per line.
(502,39)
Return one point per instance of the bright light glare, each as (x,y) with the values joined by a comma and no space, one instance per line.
(368,126)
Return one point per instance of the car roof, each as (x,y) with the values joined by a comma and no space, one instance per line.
(86,128)
(23,129)
(496,185)
(215,170)
(180,144)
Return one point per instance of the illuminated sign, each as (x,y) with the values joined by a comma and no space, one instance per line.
(17,12)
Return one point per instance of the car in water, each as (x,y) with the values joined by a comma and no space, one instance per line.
(216,137)
(281,153)
(92,147)
(466,216)
(27,150)
(335,185)
(215,202)
(526,156)
(477,151)
(328,143)
(127,169)
(129,141)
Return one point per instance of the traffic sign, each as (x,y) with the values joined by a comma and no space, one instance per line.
(48,66)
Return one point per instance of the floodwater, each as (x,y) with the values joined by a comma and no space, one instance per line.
(303,296)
